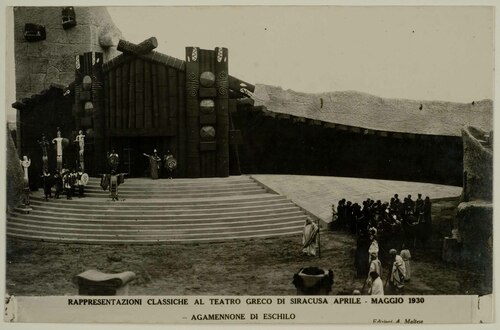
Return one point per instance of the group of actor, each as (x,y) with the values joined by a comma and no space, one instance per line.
(382,229)
(161,167)
(397,221)
(65,180)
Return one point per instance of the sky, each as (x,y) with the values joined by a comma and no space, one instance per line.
(423,53)
(427,53)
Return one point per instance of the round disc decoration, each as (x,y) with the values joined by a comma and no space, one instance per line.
(171,163)
(207,79)
(85,179)
(207,106)
(87,82)
(207,133)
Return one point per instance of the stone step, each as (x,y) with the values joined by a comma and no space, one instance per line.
(163,235)
(160,208)
(154,202)
(137,195)
(153,230)
(153,240)
(178,190)
(153,211)
(181,181)
(113,214)
(166,219)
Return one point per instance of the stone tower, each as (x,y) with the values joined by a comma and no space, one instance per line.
(52,60)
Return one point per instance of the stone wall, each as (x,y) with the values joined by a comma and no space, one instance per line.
(478,165)
(474,220)
(41,63)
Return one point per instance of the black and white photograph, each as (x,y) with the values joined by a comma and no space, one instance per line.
(212,160)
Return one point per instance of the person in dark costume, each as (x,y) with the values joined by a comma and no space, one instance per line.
(169,164)
(112,181)
(47,181)
(58,182)
(69,179)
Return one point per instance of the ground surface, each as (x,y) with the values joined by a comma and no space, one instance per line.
(251,267)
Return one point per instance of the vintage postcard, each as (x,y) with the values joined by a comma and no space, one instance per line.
(249,164)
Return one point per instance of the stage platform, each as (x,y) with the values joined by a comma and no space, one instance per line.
(200,210)
(316,194)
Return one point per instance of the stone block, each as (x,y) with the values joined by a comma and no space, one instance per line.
(313,281)
(95,283)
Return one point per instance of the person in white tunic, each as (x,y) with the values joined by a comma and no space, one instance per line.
(398,273)
(375,266)
(377,288)
(310,238)
(405,254)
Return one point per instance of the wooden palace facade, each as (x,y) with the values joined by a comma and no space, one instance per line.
(142,101)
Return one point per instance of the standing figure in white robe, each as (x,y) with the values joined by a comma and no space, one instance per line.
(310,238)
(59,150)
(405,254)
(398,273)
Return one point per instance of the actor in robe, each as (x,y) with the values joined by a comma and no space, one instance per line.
(406,255)
(154,164)
(69,179)
(373,249)
(44,144)
(310,238)
(112,181)
(398,273)
(81,181)
(58,182)
(377,287)
(80,139)
(113,160)
(47,184)
(375,266)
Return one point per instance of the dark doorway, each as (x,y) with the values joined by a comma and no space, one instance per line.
(132,149)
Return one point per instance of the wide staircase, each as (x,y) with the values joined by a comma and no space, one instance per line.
(154,211)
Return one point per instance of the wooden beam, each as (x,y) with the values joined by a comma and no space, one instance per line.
(241,86)
(143,48)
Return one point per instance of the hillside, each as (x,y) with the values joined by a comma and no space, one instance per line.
(383,114)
